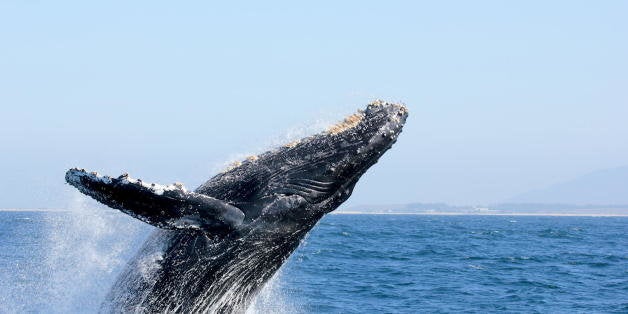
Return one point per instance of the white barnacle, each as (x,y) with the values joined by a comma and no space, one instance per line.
(233,165)
(346,124)
(377,102)
(292,144)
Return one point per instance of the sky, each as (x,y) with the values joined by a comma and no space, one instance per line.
(504,96)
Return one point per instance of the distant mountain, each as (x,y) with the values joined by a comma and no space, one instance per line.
(603,187)
(493,209)
(603,192)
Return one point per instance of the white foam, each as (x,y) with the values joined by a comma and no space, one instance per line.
(288,137)
(87,248)
(273,299)
(149,265)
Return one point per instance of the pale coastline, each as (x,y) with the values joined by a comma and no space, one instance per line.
(482,214)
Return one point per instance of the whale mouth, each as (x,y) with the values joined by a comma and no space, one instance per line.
(378,130)
(322,168)
(385,118)
(389,120)
(370,131)
(337,158)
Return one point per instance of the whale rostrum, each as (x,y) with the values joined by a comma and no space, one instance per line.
(216,246)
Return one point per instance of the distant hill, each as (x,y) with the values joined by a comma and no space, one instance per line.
(603,187)
(493,209)
(603,192)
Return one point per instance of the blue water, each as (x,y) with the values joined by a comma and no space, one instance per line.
(53,262)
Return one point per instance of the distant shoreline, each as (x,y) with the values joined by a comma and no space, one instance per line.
(484,214)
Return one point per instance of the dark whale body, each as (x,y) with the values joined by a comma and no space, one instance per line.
(217,246)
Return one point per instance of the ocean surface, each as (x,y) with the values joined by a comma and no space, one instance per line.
(64,262)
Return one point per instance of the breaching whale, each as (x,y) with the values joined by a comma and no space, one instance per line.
(215,247)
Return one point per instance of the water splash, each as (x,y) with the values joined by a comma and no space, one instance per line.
(77,254)
(273,298)
(87,247)
(321,122)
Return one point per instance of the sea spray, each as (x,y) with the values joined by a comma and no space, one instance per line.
(87,247)
(273,298)
(320,122)
(277,296)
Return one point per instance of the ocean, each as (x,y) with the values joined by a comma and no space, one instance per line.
(64,262)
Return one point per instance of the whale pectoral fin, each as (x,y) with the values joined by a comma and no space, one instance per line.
(167,207)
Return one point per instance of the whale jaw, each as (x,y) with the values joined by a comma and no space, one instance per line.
(322,169)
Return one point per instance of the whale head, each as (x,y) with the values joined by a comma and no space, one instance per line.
(342,154)
(321,169)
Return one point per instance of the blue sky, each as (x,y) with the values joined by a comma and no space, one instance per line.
(504,96)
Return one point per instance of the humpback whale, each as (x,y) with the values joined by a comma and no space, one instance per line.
(215,247)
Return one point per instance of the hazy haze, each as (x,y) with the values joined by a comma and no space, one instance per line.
(504,97)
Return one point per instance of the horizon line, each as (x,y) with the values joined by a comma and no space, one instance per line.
(341,212)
